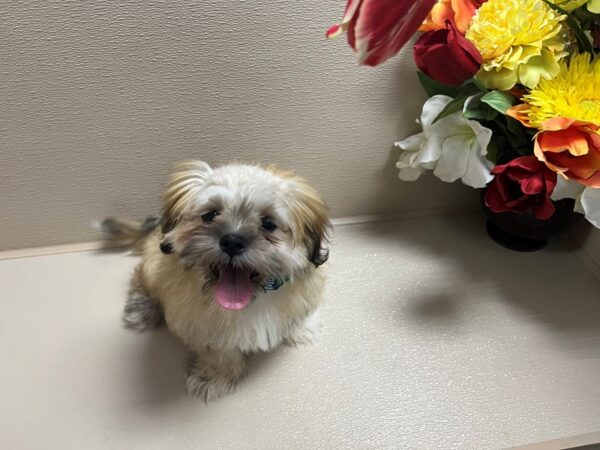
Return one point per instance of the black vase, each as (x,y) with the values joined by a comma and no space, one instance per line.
(523,232)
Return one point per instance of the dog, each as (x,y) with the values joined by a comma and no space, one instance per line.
(232,266)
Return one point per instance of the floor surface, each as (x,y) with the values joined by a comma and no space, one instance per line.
(434,338)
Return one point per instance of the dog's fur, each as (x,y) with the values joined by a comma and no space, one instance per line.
(175,281)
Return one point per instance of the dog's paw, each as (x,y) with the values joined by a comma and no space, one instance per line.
(306,332)
(212,374)
(207,389)
(206,385)
(142,313)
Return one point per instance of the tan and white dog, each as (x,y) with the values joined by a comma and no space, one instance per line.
(233,268)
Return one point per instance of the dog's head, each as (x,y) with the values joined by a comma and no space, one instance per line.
(243,226)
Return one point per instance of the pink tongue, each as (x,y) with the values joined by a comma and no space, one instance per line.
(234,289)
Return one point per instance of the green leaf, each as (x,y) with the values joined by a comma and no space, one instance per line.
(469,89)
(514,126)
(499,100)
(525,151)
(514,141)
(516,133)
(455,105)
(491,114)
(483,113)
(513,131)
(493,150)
(477,114)
(477,82)
(476,110)
(433,87)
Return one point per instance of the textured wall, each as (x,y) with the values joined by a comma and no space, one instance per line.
(100,98)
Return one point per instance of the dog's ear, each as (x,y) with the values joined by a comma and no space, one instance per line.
(310,213)
(310,216)
(184,185)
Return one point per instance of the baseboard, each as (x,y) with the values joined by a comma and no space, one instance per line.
(584,441)
(76,247)
(339,221)
(411,214)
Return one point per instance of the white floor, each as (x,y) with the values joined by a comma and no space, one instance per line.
(435,338)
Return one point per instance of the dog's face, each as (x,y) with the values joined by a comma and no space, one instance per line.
(243,227)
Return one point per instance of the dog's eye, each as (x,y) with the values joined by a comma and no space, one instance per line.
(268,224)
(209,216)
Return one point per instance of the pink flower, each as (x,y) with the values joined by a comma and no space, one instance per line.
(378,29)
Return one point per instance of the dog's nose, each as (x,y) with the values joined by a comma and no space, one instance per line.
(232,244)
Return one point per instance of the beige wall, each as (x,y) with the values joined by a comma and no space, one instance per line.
(98,99)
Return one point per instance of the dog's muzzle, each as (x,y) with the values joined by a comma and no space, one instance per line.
(233,244)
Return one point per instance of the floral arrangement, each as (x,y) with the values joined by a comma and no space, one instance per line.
(514,94)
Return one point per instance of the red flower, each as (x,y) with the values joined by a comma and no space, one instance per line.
(378,29)
(524,184)
(446,56)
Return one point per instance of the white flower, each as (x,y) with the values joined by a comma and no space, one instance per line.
(587,199)
(453,147)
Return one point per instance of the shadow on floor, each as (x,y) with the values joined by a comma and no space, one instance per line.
(161,368)
(161,371)
(545,285)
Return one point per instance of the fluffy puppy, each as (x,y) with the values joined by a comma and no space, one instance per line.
(232,267)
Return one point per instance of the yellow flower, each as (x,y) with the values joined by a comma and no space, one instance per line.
(520,41)
(594,6)
(573,94)
(570,5)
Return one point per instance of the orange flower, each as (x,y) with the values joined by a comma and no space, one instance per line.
(459,11)
(571,148)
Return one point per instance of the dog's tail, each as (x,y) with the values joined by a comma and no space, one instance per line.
(127,233)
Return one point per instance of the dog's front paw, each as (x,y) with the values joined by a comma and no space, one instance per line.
(207,389)
(142,313)
(306,332)
(212,374)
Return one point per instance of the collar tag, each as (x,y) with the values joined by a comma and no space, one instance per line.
(273,284)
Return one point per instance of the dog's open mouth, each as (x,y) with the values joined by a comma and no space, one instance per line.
(234,289)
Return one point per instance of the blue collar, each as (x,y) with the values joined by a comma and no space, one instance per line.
(273,284)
